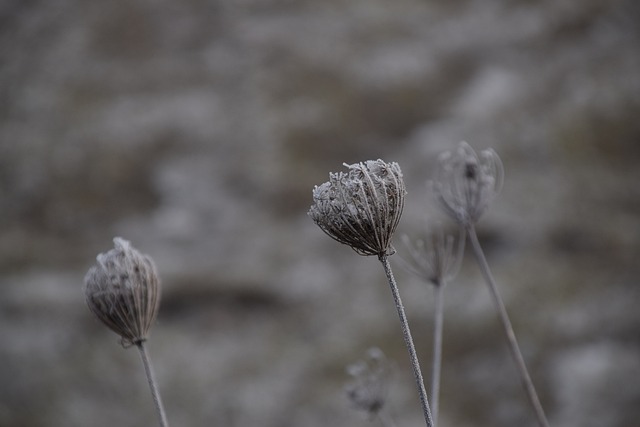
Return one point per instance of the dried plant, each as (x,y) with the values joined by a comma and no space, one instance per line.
(466,182)
(362,208)
(465,185)
(123,291)
(436,259)
(368,389)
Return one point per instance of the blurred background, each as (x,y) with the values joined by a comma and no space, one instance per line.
(197,130)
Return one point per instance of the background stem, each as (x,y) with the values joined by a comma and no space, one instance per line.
(408,340)
(437,350)
(508,329)
(152,384)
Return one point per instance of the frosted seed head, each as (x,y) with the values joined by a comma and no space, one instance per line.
(466,183)
(123,291)
(436,258)
(368,387)
(362,207)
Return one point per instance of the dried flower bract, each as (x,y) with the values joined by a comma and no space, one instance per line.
(467,182)
(123,291)
(362,207)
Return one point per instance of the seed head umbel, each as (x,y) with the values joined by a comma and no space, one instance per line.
(361,207)
(370,377)
(435,258)
(123,291)
(467,182)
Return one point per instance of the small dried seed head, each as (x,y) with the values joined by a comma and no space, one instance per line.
(436,258)
(123,291)
(362,207)
(367,391)
(466,182)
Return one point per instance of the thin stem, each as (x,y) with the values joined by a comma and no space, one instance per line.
(437,350)
(408,340)
(508,329)
(152,384)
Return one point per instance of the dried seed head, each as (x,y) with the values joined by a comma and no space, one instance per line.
(436,258)
(466,182)
(362,207)
(123,291)
(369,383)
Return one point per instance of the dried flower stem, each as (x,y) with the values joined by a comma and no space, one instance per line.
(155,393)
(436,260)
(406,332)
(506,323)
(437,350)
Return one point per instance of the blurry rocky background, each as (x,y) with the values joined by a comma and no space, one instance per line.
(197,129)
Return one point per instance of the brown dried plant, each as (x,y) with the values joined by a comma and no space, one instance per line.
(123,291)
(369,385)
(361,208)
(466,183)
(435,259)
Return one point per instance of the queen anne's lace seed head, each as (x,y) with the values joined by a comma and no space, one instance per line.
(369,383)
(123,291)
(436,258)
(362,207)
(466,182)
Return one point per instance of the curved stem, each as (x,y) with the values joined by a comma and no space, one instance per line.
(152,384)
(437,350)
(408,340)
(508,329)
